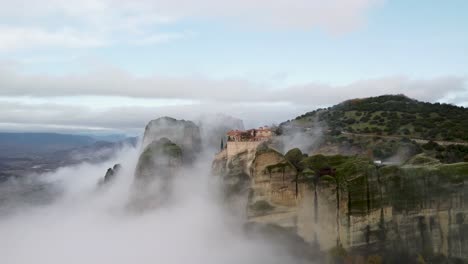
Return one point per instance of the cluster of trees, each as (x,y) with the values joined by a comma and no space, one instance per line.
(399,150)
(447,154)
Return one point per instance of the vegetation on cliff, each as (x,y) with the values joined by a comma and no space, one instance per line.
(421,193)
(363,179)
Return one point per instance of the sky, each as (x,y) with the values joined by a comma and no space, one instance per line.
(110,66)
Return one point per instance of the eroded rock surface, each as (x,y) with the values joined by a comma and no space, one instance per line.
(273,191)
(417,208)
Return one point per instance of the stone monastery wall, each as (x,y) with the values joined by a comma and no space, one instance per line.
(235,147)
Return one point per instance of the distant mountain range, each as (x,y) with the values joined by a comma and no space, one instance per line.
(24,153)
(20,144)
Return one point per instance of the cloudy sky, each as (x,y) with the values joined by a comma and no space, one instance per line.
(112,65)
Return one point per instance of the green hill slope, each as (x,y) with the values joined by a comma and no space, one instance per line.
(388,127)
(393,115)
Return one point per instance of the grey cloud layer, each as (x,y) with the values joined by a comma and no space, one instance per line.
(257,104)
(61,117)
(119,83)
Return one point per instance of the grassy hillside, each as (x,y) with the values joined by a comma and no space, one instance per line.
(393,115)
(389,127)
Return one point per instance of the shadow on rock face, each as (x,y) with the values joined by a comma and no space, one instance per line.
(285,240)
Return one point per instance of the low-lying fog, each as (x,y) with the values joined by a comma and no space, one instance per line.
(74,221)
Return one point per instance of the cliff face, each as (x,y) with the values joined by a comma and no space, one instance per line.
(234,173)
(273,190)
(168,144)
(183,133)
(417,208)
(414,208)
(264,181)
(234,163)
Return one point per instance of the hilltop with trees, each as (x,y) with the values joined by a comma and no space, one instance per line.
(382,125)
(394,115)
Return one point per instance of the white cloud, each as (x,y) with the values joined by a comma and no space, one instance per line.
(93,23)
(422,89)
(331,15)
(159,38)
(12,38)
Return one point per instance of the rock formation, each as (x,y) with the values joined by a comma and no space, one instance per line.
(168,144)
(111,174)
(273,189)
(267,178)
(183,133)
(156,167)
(418,208)
(159,159)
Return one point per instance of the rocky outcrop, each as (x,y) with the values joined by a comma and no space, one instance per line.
(158,164)
(183,133)
(273,190)
(168,144)
(111,174)
(159,159)
(265,182)
(234,173)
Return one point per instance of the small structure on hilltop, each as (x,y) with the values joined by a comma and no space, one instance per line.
(260,134)
(239,141)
